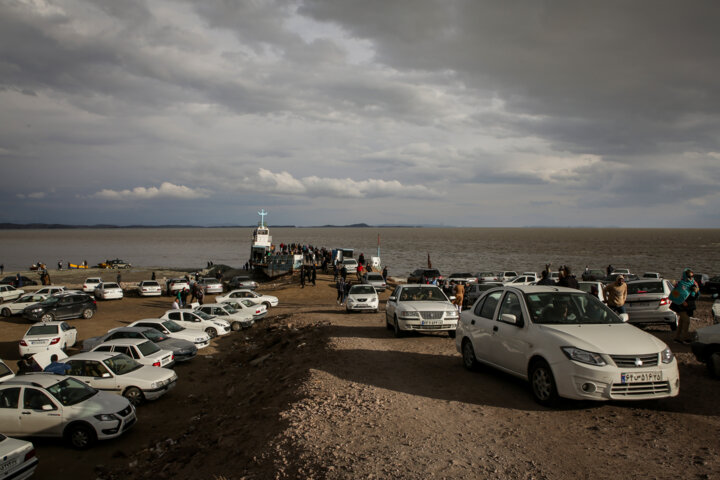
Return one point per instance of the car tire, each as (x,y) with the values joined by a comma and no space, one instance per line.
(713,364)
(212,333)
(80,436)
(542,384)
(88,313)
(47,317)
(674,325)
(6,312)
(396,328)
(235,326)
(134,395)
(452,333)
(387,323)
(267,305)
(468,356)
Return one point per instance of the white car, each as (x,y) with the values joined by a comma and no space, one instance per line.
(5,374)
(142,350)
(49,405)
(486,277)
(624,271)
(90,284)
(566,343)
(350,265)
(267,300)
(506,276)
(648,302)
(238,319)
(362,297)
(173,330)
(9,293)
(17,307)
(212,325)
(706,347)
(592,286)
(242,281)
(117,373)
(175,285)
(210,285)
(51,290)
(523,280)
(108,291)
(418,307)
(376,280)
(17,458)
(149,288)
(464,278)
(257,310)
(651,275)
(42,336)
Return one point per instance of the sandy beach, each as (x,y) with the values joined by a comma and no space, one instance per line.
(313,392)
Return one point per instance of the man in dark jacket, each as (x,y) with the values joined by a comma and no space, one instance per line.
(566,278)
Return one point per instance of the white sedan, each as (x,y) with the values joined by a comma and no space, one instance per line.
(5,372)
(140,349)
(17,458)
(108,291)
(149,288)
(17,307)
(422,308)
(173,330)
(238,319)
(362,297)
(90,284)
(51,290)
(267,300)
(45,335)
(210,285)
(566,343)
(8,293)
(257,310)
(212,325)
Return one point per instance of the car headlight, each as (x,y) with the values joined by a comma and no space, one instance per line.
(583,356)
(451,314)
(409,313)
(154,385)
(35,310)
(200,339)
(667,355)
(106,417)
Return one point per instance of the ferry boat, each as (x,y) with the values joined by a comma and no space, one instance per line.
(262,253)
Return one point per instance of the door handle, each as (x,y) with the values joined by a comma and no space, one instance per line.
(472,322)
(26,413)
(495,328)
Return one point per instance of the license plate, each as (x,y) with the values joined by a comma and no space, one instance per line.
(640,377)
(8,465)
(38,342)
(431,322)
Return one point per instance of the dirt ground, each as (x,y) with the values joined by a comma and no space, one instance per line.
(314,392)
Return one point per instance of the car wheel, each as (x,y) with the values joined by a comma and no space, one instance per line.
(47,317)
(451,333)
(134,395)
(6,312)
(267,305)
(713,364)
(235,326)
(542,383)
(674,325)
(212,333)
(88,313)
(396,328)
(80,436)
(468,355)
(387,323)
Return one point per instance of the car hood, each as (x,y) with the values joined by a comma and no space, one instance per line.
(425,306)
(176,344)
(148,374)
(101,402)
(612,339)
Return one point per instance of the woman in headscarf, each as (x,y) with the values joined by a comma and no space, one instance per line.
(683,298)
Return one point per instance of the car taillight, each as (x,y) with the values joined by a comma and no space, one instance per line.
(664,301)
(156,364)
(30,455)
(23,343)
(54,340)
(172,357)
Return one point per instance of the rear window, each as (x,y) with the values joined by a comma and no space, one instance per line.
(644,287)
(43,330)
(111,285)
(148,348)
(151,284)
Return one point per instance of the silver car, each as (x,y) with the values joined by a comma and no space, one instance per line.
(211,285)
(376,280)
(648,302)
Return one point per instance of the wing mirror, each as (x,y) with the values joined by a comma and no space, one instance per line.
(47,407)
(624,317)
(106,375)
(391,299)
(509,318)
(715,296)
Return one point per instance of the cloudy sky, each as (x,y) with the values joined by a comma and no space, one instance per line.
(467,113)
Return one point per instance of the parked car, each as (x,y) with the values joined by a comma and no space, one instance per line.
(108,291)
(117,263)
(567,344)
(149,288)
(257,310)
(51,290)
(267,300)
(706,347)
(350,265)
(212,325)
(175,285)
(119,374)
(712,286)
(44,335)
(49,405)
(90,284)
(587,287)
(462,278)
(624,271)
(211,285)
(701,279)
(423,275)
(376,280)
(12,280)
(486,277)
(418,307)
(17,307)
(651,275)
(9,293)
(182,350)
(362,297)
(62,306)
(141,350)
(506,276)
(473,291)
(629,277)
(648,302)
(523,280)
(5,372)
(168,327)
(242,281)
(593,274)
(238,319)
(19,460)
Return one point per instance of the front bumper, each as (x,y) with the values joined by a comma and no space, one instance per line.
(427,325)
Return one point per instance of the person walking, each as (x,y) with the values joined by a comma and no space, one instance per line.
(200,295)
(459,296)
(683,298)
(384,274)
(313,275)
(359,272)
(346,291)
(340,286)
(343,273)
(302,276)
(615,294)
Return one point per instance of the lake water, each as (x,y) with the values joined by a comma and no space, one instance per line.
(666,251)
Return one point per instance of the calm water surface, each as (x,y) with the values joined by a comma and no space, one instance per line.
(666,251)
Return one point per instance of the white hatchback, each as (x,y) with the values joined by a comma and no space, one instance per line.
(566,343)
(42,336)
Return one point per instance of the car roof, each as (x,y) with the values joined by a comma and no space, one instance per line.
(53,322)
(36,379)
(424,285)
(216,304)
(129,329)
(97,356)
(153,320)
(541,289)
(125,341)
(646,280)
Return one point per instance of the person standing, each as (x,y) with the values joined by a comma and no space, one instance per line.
(359,272)
(302,276)
(18,281)
(340,290)
(118,278)
(545,279)
(343,273)
(566,278)
(615,294)
(313,275)
(2,268)
(200,295)
(384,274)
(459,296)
(153,276)
(683,298)
(609,270)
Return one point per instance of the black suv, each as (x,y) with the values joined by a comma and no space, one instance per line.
(62,306)
(424,275)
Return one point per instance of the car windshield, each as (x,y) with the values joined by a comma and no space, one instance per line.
(172,326)
(43,330)
(92,280)
(121,364)
(71,391)
(374,276)
(361,290)
(148,348)
(29,298)
(230,309)
(429,294)
(486,274)
(461,275)
(634,288)
(203,315)
(4,370)
(562,308)
(247,303)
(153,335)
(50,301)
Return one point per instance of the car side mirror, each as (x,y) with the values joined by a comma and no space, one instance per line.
(391,299)
(47,407)
(509,318)
(624,317)
(452,297)
(715,296)
(106,375)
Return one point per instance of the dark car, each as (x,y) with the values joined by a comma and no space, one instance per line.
(629,277)
(12,280)
(593,274)
(61,307)
(712,286)
(424,275)
(473,291)
(183,350)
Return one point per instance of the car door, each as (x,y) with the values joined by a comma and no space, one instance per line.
(64,308)
(391,304)
(509,344)
(10,411)
(70,334)
(479,324)
(39,415)
(93,373)
(191,320)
